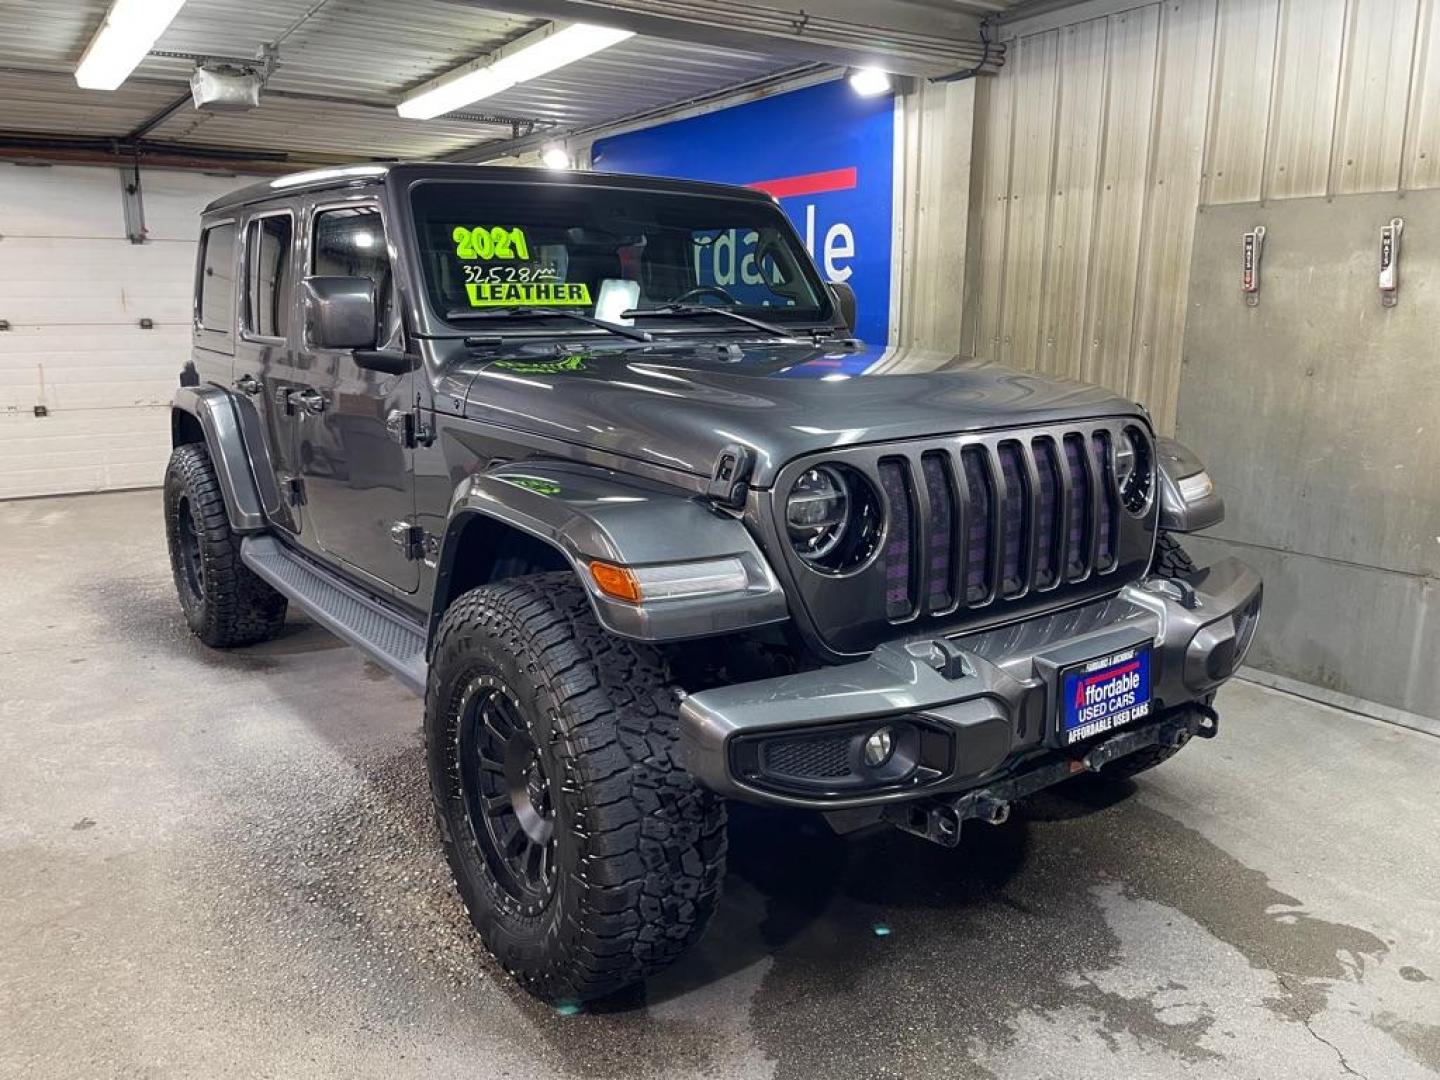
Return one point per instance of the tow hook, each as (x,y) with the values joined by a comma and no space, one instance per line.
(1209,725)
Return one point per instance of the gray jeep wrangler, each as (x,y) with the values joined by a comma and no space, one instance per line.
(592,463)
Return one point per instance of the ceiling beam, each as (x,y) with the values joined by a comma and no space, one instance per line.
(100,149)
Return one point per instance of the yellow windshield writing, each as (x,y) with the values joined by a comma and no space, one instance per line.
(527,293)
(490,242)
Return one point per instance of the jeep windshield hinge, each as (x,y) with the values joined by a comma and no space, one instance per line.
(405,427)
(730,478)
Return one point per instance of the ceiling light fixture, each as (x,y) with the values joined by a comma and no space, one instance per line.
(538,53)
(869,82)
(555,157)
(129,31)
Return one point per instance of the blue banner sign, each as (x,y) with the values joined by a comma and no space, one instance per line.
(825,152)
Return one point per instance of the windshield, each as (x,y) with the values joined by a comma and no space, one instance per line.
(505,248)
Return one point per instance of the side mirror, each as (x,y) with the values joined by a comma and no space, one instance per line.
(845,301)
(340,312)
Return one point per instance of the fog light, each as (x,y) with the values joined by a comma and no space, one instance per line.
(878,747)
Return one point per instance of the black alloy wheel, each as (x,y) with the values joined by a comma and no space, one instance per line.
(508,793)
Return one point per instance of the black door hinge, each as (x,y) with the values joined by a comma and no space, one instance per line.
(412,540)
(293,488)
(730,478)
(406,429)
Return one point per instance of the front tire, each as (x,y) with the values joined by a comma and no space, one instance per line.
(225,603)
(586,856)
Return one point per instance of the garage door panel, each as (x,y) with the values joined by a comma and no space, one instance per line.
(173,201)
(71,281)
(83,450)
(59,201)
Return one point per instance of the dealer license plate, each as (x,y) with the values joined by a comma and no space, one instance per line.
(1104,694)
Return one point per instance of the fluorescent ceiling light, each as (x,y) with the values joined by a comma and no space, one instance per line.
(868,82)
(129,31)
(555,157)
(538,53)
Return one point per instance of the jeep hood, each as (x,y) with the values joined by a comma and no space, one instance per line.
(677,406)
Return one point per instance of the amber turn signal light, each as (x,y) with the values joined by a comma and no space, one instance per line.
(615,581)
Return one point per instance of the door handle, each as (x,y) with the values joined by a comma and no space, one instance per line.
(248,384)
(312,401)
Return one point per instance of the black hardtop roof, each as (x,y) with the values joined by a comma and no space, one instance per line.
(350,176)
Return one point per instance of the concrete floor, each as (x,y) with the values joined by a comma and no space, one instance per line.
(224,865)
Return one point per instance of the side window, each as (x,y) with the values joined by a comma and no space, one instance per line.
(350,242)
(267,271)
(216,302)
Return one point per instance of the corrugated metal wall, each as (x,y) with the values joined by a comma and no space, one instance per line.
(1099,140)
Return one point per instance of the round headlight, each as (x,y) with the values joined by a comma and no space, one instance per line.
(1134,470)
(817,512)
(832,517)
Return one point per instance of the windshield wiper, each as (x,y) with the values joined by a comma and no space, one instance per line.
(703,309)
(467,314)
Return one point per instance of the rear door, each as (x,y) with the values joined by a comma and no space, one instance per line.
(357,477)
(264,359)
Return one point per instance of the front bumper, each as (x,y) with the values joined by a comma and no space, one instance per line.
(964,710)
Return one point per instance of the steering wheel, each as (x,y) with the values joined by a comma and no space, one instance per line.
(706,290)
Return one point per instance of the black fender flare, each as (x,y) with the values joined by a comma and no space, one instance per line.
(215,412)
(587,513)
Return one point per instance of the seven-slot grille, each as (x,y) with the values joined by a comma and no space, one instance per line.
(999,519)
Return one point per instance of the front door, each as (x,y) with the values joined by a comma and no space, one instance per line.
(357,485)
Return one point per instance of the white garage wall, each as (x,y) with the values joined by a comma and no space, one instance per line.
(74,290)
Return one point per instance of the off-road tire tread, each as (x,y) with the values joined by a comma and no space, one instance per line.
(652,841)
(1171,561)
(239,608)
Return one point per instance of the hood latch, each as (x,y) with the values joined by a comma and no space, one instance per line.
(730,478)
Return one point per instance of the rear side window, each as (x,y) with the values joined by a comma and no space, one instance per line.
(216,303)
(267,287)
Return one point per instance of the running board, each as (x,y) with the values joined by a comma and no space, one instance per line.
(392,641)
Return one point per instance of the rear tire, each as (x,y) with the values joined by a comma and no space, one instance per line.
(586,856)
(1171,561)
(225,603)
